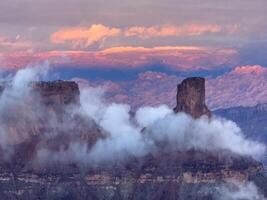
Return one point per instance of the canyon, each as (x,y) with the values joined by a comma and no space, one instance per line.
(190,174)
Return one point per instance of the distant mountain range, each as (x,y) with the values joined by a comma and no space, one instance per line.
(243,86)
(239,95)
(252,120)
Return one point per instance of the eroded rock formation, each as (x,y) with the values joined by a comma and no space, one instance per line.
(58,92)
(191,97)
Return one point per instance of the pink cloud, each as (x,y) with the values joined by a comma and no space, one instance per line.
(250,69)
(171,30)
(84,37)
(178,58)
(8,44)
(129,49)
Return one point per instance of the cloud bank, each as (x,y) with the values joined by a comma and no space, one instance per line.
(124,134)
(235,190)
(83,37)
(171,30)
(176,58)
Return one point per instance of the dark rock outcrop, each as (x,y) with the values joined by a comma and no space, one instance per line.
(50,107)
(58,92)
(53,92)
(1,89)
(191,97)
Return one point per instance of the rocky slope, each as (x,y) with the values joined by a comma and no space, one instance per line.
(189,174)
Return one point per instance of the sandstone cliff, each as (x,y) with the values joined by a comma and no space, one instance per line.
(191,97)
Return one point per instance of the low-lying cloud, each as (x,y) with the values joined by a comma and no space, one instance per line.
(236,191)
(122,134)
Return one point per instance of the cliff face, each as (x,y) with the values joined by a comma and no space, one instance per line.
(58,92)
(48,108)
(191,97)
(161,177)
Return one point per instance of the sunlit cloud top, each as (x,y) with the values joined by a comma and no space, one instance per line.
(134,31)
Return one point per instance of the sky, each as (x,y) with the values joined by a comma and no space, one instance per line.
(120,38)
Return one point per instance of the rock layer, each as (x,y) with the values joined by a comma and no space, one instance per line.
(191,97)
